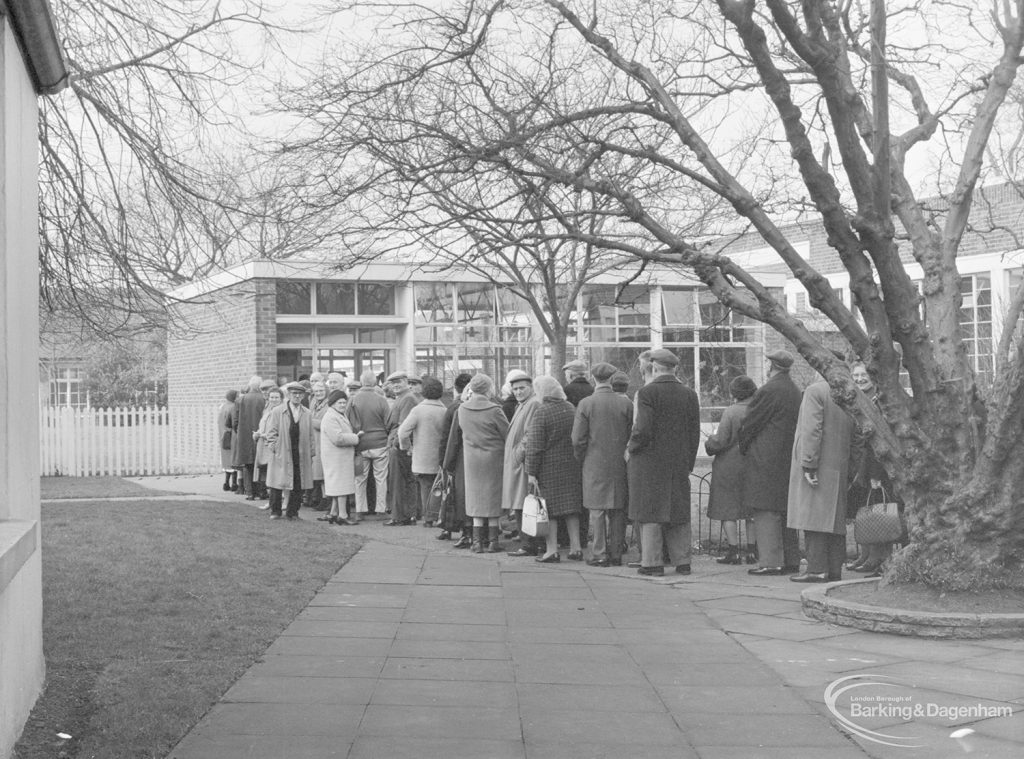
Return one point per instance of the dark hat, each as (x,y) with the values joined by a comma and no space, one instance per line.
(335,396)
(665,357)
(742,387)
(620,382)
(603,372)
(267,384)
(577,365)
(399,375)
(296,386)
(782,359)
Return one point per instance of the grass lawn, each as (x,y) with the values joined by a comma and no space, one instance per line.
(151,610)
(53,488)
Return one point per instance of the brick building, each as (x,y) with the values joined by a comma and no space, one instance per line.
(287,319)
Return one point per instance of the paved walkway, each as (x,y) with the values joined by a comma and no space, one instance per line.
(415,649)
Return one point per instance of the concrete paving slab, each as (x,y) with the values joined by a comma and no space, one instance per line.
(549,592)
(319,666)
(777,752)
(684,652)
(598,698)
(733,699)
(338,596)
(482,613)
(752,605)
(464,721)
(1008,662)
(356,687)
(449,631)
(449,649)
(786,629)
(587,750)
(337,720)
(577,635)
(349,614)
(380,747)
(220,746)
(580,670)
(967,682)
(633,731)
(326,646)
(345,628)
(756,730)
(916,648)
(448,669)
(495,695)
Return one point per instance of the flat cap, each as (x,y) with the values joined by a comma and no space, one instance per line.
(414,380)
(577,365)
(665,357)
(517,375)
(267,384)
(603,371)
(782,359)
(295,387)
(620,382)
(399,375)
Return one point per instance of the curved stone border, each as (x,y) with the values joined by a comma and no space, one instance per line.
(819,604)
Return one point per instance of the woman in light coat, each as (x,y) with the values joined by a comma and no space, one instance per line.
(484,428)
(726,501)
(421,433)
(292,446)
(337,456)
(275,396)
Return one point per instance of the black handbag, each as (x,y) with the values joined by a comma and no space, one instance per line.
(879,523)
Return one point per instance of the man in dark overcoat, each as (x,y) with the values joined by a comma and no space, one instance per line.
(662,450)
(600,434)
(403,489)
(245,421)
(766,442)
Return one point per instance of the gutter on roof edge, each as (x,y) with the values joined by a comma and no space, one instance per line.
(34,29)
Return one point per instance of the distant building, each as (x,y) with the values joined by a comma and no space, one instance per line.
(289,319)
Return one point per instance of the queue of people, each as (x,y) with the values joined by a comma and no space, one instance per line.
(784,461)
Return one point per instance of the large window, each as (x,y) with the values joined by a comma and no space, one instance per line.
(616,315)
(336,298)
(976,320)
(67,388)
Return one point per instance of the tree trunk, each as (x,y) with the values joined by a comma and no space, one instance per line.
(558,358)
(966,533)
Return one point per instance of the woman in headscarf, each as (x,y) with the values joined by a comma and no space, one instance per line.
(337,453)
(484,428)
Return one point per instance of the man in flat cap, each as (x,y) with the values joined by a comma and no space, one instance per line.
(515,481)
(292,443)
(600,434)
(576,386)
(403,490)
(662,450)
(766,442)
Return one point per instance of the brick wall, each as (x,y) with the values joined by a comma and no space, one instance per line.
(219,340)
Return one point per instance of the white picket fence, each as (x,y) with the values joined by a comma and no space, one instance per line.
(129,441)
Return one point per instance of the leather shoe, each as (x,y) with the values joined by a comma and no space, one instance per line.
(444,535)
(598,563)
(683,569)
(575,556)
(790,569)
(464,542)
(809,577)
(522,552)
(399,522)
(634,564)
(651,571)
(615,562)
(763,571)
(344,520)
(552,559)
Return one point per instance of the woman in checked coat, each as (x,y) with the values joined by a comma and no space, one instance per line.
(552,466)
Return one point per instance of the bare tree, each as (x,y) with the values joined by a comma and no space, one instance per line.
(782,111)
(131,153)
(398,142)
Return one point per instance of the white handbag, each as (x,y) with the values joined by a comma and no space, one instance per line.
(535,516)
